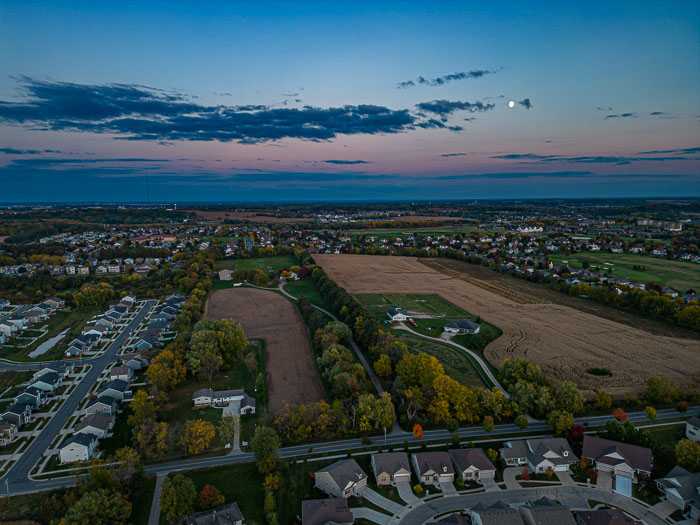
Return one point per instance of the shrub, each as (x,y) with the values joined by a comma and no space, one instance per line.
(599,371)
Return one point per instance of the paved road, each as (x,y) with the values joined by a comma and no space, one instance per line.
(338,447)
(18,474)
(484,367)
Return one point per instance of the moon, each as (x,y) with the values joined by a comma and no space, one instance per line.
(511,104)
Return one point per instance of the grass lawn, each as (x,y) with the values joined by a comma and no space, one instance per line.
(307,288)
(121,434)
(141,500)
(678,275)
(456,364)
(266,264)
(12,378)
(666,438)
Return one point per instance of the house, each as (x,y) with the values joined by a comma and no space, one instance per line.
(79,447)
(31,396)
(8,329)
(398,314)
(228,514)
(604,517)
(681,487)
(18,413)
(103,404)
(452,519)
(324,511)
(545,511)
(433,468)
(8,433)
(225,275)
(621,459)
(496,514)
(472,464)
(124,373)
(206,397)
(119,389)
(98,424)
(97,329)
(539,454)
(462,326)
(341,479)
(56,302)
(134,361)
(48,382)
(3,338)
(63,369)
(692,429)
(104,321)
(391,468)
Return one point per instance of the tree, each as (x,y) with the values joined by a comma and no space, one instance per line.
(165,371)
(568,397)
(452,425)
(128,462)
(265,445)
(492,454)
(521,421)
(210,497)
(382,366)
(688,454)
(208,365)
(650,413)
(602,400)
(272,481)
(560,421)
(99,507)
(269,504)
(260,382)
(619,414)
(151,438)
(488,423)
(177,497)
(662,390)
(198,435)
(228,426)
(142,408)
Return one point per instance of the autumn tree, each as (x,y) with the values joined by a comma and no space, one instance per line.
(650,413)
(177,497)
(198,435)
(560,421)
(128,462)
(602,400)
(688,454)
(521,421)
(151,438)
(619,414)
(568,397)
(166,371)
(488,424)
(210,497)
(142,408)
(99,507)
(228,426)
(265,445)
(260,382)
(382,366)
(492,454)
(662,390)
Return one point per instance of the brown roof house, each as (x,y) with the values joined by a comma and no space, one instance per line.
(324,511)
(341,479)
(472,464)
(604,517)
(545,511)
(433,468)
(497,514)
(391,468)
(621,459)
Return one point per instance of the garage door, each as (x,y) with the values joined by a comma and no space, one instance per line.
(446,478)
(561,468)
(398,478)
(623,486)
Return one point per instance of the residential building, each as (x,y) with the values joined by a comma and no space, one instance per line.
(98,424)
(228,514)
(681,487)
(123,373)
(31,396)
(341,479)
(539,454)
(117,389)
(621,459)
(325,511)
(8,433)
(462,326)
(104,404)
(398,314)
(498,513)
(391,468)
(79,447)
(472,464)
(605,517)
(48,382)
(692,428)
(18,413)
(205,397)
(433,468)
(545,511)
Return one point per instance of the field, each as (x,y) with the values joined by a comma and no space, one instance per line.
(563,341)
(675,274)
(227,215)
(289,364)
(307,288)
(266,264)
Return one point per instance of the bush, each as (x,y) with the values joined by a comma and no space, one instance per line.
(599,371)
(417,488)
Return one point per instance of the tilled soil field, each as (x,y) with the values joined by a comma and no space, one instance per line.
(289,363)
(562,340)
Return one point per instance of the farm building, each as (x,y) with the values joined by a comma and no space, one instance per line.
(462,327)
(398,314)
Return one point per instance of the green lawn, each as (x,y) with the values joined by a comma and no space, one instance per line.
(141,500)
(121,434)
(11,378)
(456,364)
(676,274)
(266,264)
(307,288)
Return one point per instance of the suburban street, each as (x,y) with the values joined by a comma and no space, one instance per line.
(18,475)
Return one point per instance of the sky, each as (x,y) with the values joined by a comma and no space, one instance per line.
(290,101)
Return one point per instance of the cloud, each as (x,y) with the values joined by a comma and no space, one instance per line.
(134,112)
(453,155)
(525,103)
(532,158)
(604,109)
(656,113)
(687,151)
(445,79)
(446,107)
(348,161)
(13,151)
(623,115)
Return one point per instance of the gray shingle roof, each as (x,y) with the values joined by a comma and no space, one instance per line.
(600,449)
(439,462)
(466,457)
(323,511)
(344,472)
(391,462)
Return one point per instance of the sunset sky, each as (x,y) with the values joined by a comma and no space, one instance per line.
(348,101)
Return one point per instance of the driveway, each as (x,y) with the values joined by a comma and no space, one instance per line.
(604,481)
(490,485)
(448,489)
(232,409)
(565,477)
(663,509)
(380,501)
(509,477)
(370,515)
(406,493)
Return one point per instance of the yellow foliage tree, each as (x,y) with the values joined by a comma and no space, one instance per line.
(198,435)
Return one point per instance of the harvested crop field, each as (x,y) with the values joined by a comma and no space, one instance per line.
(252,216)
(562,340)
(289,363)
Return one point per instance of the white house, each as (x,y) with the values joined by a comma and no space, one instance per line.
(398,314)
(539,454)
(206,397)
(79,447)
(692,429)
(462,326)
(98,424)
(124,373)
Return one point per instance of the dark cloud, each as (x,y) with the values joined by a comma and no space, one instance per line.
(62,163)
(687,151)
(657,113)
(623,115)
(13,151)
(446,107)
(525,103)
(348,161)
(441,81)
(604,109)
(524,156)
(453,155)
(532,158)
(290,95)
(133,112)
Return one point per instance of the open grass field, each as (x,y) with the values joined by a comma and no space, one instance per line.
(10,378)
(230,215)
(289,365)
(266,264)
(563,341)
(307,288)
(678,275)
